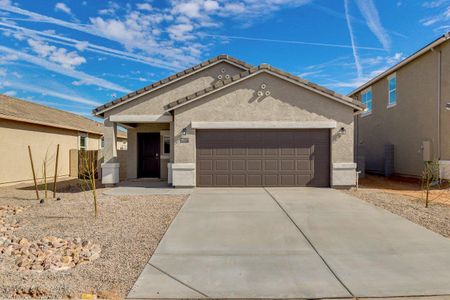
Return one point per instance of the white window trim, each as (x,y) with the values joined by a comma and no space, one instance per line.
(80,135)
(367,112)
(390,105)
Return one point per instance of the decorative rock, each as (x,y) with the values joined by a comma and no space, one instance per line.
(49,253)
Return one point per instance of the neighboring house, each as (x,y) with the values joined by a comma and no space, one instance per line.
(227,123)
(24,123)
(407,107)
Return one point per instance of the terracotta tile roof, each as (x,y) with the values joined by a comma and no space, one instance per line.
(253,70)
(171,78)
(29,112)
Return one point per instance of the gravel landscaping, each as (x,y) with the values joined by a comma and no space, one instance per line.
(127,230)
(436,217)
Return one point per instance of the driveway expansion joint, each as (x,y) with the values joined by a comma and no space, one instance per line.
(311,244)
(178,280)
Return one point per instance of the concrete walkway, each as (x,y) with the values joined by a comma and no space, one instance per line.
(292,243)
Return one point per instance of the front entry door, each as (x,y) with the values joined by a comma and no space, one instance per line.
(148,154)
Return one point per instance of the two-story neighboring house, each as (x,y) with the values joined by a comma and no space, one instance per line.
(407,106)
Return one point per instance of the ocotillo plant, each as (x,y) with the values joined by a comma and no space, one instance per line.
(87,178)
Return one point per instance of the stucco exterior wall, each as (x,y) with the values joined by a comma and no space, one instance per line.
(153,103)
(445,98)
(413,120)
(15,138)
(287,102)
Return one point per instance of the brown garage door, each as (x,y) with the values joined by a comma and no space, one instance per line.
(257,157)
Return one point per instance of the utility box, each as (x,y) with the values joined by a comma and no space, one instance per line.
(426,151)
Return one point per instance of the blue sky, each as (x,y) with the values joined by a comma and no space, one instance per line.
(74,55)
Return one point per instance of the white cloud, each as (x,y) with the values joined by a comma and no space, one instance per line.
(5,3)
(2,72)
(53,67)
(92,47)
(180,32)
(211,5)
(11,93)
(57,55)
(358,66)
(370,13)
(81,46)
(50,92)
(144,6)
(63,7)
(434,4)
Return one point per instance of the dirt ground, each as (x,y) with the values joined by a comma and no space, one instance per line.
(403,196)
(128,229)
(411,187)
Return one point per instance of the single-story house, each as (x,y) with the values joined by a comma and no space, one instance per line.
(24,123)
(407,119)
(227,123)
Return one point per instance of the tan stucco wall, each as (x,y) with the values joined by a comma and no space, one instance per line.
(287,102)
(413,120)
(14,140)
(153,103)
(445,96)
(132,150)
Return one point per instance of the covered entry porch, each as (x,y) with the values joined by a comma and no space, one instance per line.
(150,148)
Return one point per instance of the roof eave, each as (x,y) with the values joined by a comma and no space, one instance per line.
(203,93)
(99,111)
(407,60)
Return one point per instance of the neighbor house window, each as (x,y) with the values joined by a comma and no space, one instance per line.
(166,145)
(392,83)
(366,99)
(83,142)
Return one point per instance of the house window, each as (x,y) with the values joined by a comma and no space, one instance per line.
(166,145)
(83,142)
(392,83)
(366,99)
(102,142)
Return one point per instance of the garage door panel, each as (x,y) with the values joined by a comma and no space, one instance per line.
(206,179)
(271,180)
(221,165)
(304,164)
(254,151)
(238,165)
(254,165)
(221,180)
(287,165)
(238,180)
(263,157)
(271,165)
(205,165)
(254,180)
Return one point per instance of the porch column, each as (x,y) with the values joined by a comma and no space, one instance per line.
(172,148)
(110,166)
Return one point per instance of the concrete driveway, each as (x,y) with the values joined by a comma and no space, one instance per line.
(292,243)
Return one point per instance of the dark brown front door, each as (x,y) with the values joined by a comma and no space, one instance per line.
(148,154)
(260,157)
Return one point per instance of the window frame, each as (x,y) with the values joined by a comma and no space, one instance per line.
(364,92)
(86,142)
(389,78)
(164,145)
